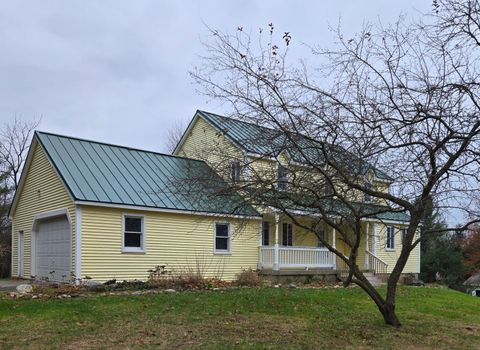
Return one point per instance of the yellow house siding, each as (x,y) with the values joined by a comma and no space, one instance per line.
(179,241)
(42,191)
(206,143)
(391,256)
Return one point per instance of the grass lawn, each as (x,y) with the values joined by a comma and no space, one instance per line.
(266,318)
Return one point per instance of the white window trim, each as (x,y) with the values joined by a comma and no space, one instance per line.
(229,244)
(142,249)
(386,239)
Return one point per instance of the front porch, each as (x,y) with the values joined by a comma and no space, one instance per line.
(295,257)
(296,250)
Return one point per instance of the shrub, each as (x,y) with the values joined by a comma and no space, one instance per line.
(248,278)
(180,281)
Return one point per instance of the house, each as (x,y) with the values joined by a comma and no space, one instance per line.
(86,208)
(224,143)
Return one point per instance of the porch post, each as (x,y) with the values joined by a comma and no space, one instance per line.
(260,243)
(374,239)
(334,245)
(366,245)
(275,247)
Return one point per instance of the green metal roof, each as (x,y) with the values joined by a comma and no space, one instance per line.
(270,142)
(104,173)
(335,207)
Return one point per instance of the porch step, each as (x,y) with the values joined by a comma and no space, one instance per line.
(370,276)
(374,280)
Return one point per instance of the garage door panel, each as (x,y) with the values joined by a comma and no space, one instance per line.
(53,249)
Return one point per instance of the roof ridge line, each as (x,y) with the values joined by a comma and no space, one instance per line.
(238,120)
(115,145)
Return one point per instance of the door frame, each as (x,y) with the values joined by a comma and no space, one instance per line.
(21,253)
(37,219)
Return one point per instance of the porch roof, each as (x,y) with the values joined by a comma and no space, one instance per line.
(335,207)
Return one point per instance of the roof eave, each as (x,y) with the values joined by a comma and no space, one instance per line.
(166,210)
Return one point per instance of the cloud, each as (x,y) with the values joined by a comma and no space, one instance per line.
(117,71)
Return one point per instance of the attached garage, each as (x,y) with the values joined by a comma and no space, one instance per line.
(52,248)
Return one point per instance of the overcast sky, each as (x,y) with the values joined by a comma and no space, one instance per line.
(117,71)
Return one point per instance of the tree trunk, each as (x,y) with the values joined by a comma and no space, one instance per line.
(386,307)
(389,315)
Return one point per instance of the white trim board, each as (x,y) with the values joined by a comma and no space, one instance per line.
(78,243)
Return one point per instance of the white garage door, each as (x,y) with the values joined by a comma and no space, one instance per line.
(53,249)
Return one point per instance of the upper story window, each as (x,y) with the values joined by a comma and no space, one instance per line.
(235,171)
(282,178)
(265,233)
(367,197)
(390,237)
(133,233)
(222,238)
(287,235)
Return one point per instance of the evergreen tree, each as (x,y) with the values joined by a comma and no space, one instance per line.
(441,258)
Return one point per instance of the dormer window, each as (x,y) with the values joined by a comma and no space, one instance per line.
(282,178)
(367,197)
(235,171)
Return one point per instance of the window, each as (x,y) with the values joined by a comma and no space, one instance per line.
(133,233)
(367,197)
(390,237)
(287,235)
(404,234)
(222,237)
(282,177)
(323,235)
(265,233)
(235,171)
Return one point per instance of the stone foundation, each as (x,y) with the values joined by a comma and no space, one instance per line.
(299,276)
(322,276)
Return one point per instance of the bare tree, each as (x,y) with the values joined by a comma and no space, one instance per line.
(174,135)
(14,142)
(401,98)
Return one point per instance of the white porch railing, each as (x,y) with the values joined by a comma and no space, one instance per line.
(374,263)
(296,257)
